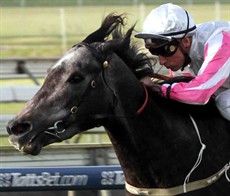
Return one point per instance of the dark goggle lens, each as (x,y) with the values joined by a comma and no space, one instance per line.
(165,50)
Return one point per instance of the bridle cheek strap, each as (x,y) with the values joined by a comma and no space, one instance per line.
(140,110)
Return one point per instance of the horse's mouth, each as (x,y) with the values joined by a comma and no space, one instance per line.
(32,142)
(33,145)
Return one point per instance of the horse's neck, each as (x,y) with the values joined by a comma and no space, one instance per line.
(133,140)
(158,147)
(143,142)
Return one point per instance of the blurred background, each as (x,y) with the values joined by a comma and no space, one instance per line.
(41,28)
(33,35)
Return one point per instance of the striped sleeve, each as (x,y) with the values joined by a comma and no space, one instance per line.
(213,73)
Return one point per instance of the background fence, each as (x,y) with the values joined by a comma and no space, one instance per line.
(62,178)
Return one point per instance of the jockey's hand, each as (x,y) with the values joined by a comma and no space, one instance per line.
(151,83)
(146,80)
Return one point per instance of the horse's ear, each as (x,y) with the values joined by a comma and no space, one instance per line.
(111,22)
(120,43)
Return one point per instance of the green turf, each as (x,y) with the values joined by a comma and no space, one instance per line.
(24,81)
(36,31)
(11,108)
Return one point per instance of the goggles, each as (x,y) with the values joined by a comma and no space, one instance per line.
(165,50)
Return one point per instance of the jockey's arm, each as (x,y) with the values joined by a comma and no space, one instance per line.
(213,73)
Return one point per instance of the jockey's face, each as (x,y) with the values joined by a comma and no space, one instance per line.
(175,60)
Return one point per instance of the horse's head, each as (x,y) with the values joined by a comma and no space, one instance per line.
(73,93)
(77,93)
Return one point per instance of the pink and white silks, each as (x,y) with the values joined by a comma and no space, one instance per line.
(210,54)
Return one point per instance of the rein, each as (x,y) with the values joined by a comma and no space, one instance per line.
(145,102)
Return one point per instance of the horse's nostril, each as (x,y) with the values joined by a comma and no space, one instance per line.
(18,128)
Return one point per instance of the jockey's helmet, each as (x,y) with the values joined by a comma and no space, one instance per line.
(166,23)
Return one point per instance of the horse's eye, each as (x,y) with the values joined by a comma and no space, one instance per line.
(75,78)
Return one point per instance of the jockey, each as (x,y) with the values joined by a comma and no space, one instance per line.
(170,32)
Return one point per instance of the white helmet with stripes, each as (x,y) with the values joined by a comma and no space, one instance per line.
(166,22)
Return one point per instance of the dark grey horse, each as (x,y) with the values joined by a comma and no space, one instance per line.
(160,143)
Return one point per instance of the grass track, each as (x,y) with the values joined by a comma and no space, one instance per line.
(36,31)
